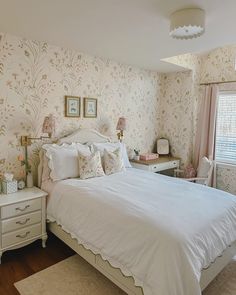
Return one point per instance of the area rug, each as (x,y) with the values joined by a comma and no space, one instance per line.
(74,276)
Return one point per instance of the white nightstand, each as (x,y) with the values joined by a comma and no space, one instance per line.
(22,218)
(161,164)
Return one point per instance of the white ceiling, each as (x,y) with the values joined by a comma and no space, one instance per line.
(135,32)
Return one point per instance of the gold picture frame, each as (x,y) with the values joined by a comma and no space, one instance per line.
(72,106)
(90,107)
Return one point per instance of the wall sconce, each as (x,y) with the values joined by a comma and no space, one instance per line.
(48,127)
(121,126)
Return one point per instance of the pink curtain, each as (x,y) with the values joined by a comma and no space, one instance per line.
(206,127)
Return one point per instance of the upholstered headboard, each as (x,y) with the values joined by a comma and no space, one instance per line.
(82,136)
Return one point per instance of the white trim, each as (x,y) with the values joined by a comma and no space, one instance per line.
(226,165)
(127,283)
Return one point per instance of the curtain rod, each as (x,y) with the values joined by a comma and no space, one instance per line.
(219,82)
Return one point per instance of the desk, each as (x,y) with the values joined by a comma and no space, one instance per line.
(161,164)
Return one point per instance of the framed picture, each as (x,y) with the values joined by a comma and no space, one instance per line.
(90,107)
(72,106)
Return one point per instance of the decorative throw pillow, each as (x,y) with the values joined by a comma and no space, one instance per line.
(111,147)
(90,166)
(190,172)
(113,161)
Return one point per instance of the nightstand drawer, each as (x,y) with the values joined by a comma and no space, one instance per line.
(164,166)
(22,235)
(21,221)
(20,208)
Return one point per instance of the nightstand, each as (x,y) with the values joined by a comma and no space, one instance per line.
(22,219)
(161,164)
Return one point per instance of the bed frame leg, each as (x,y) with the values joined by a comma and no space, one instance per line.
(44,240)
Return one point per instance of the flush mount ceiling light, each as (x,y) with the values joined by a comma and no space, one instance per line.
(187,23)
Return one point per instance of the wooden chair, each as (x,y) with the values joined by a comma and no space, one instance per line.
(204,172)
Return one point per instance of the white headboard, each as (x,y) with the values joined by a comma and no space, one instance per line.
(83,136)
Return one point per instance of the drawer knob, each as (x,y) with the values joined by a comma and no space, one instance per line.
(23,236)
(23,222)
(22,209)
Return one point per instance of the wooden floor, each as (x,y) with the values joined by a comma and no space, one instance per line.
(21,263)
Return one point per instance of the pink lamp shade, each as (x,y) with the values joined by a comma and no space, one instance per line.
(121,124)
(49,125)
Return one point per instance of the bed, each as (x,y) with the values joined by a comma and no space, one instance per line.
(148,233)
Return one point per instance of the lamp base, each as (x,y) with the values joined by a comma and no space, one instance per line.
(120,135)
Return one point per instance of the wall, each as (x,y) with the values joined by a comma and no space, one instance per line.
(176,113)
(182,99)
(35,77)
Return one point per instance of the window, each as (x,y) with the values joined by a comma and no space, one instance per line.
(226,128)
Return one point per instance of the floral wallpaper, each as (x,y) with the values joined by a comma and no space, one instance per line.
(35,77)
(176,113)
(181,100)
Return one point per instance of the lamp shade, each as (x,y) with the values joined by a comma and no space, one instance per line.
(187,23)
(121,124)
(49,125)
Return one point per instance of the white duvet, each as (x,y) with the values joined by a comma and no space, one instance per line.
(162,231)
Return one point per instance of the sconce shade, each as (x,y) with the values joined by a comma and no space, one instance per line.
(49,125)
(121,124)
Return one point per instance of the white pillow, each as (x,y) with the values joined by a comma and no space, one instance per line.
(90,166)
(63,159)
(111,147)
(113,161)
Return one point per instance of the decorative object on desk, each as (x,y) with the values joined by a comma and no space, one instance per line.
(90,107)
(163,147)
(9,185)
(21,184)
(72,106)
(136,156)
(149,156)
(121,126)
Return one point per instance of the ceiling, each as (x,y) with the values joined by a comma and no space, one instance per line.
(135,32)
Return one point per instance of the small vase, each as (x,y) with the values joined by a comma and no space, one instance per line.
(29,180)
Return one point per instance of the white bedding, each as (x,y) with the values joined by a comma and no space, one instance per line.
(163,231)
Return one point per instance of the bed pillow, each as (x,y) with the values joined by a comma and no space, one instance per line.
(90,166)
(63,160)
(113,161)
(111,147)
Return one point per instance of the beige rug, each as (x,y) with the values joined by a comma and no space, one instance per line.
(74,276)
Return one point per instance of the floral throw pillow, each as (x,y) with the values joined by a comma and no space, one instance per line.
(90,166)
(113,161)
